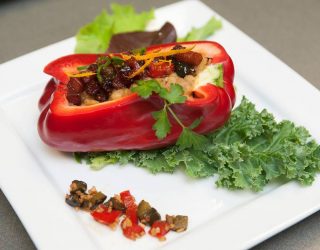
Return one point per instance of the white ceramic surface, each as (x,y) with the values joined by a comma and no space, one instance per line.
(35,178)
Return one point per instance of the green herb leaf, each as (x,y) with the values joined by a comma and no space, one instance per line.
(162,126)
(80,68)
(140,51)
(196,123)
(203,32)
(105,60)
(117,60)
(145,88)
(100,67)
(189,138)
(174,94)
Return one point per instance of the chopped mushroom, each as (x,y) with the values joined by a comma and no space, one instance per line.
(177,223)
(123,208)
(78,186)
(73,200)
(78,197)
(116,204)
(147,214)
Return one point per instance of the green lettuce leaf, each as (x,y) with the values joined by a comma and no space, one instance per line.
(188,138)
(203,32)
(248,152)
(126,19)
(94,37)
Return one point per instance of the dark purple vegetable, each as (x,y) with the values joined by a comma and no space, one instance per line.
(133,40)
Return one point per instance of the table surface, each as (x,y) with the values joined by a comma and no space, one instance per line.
(288,28)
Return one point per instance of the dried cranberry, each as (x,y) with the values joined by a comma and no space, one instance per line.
(107,86)
(92,88)
(74,99)
(75,85)
(93,67)
(87,79)
(107,73)
(125,70)
(118,82)
(183,69)
(141,63)
(101,96)
(133,64)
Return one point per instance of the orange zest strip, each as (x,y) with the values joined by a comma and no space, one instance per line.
(158,54)
(80,74)
(162,61)
(168,61)
(148,61)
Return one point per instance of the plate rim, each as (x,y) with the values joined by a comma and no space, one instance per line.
(243,239)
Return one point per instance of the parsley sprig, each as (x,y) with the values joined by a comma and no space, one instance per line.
(162,127)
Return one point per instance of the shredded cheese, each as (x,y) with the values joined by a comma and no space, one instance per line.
(89,73)
(148,58)
(163,61)
(147,62)
(153,55)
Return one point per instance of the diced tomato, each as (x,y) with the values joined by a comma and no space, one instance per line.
(160,69)
(127,199)
(104,216)
(131,213)
(131,207)
(159,229)
(130,230)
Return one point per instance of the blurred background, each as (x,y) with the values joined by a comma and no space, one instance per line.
(290,29)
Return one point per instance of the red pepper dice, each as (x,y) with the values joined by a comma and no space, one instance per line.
(126,123)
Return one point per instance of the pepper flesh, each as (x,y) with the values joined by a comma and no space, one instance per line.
(126,123)
(104,216)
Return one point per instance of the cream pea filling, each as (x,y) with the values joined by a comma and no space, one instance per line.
(205,73)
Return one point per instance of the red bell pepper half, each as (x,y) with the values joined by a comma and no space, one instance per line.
(126,123)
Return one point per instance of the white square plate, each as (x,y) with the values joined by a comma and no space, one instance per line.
(35,178)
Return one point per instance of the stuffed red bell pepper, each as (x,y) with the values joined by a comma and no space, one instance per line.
(90,106)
